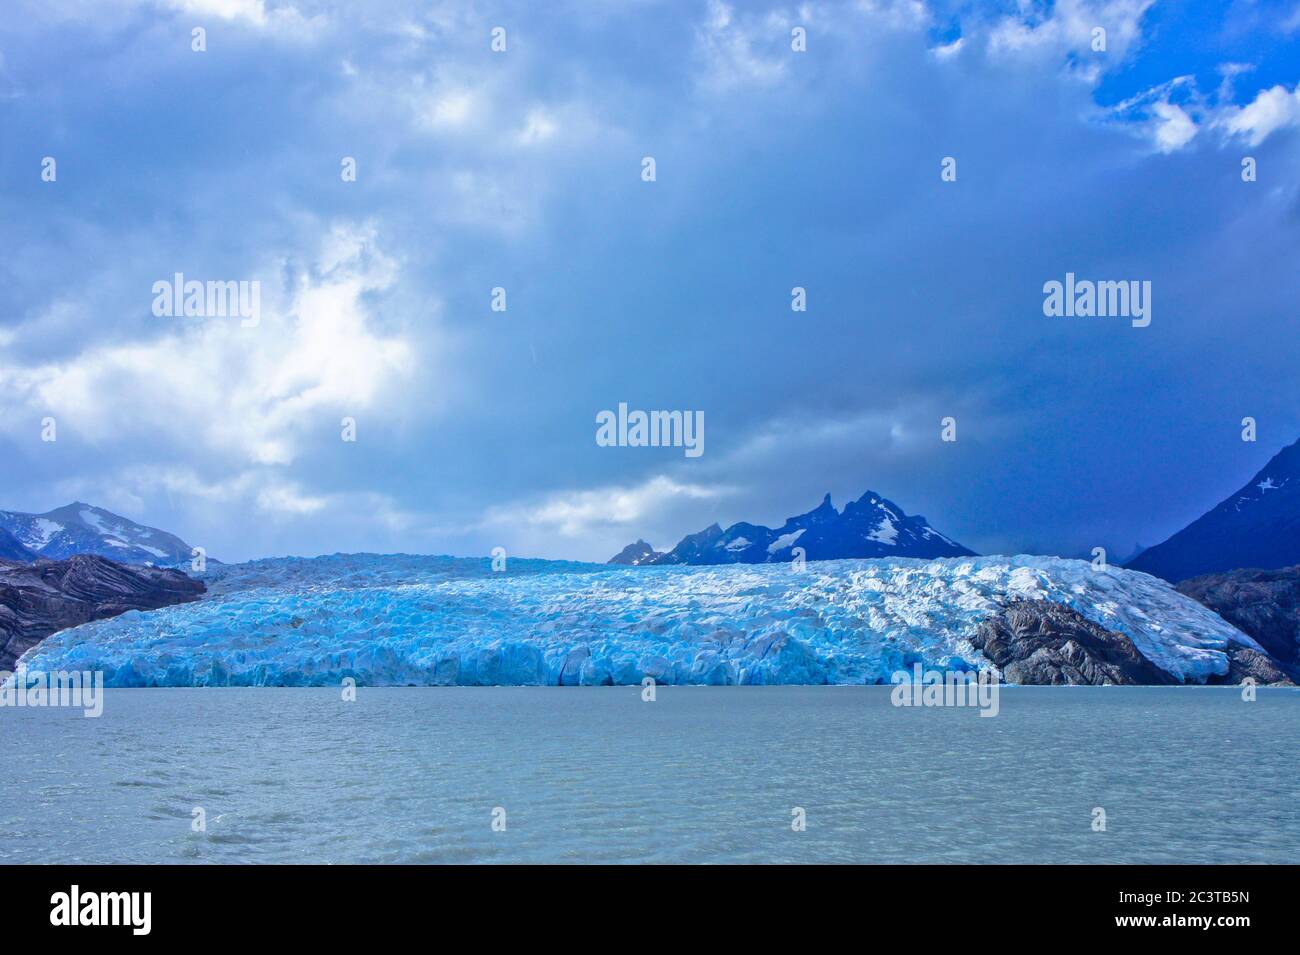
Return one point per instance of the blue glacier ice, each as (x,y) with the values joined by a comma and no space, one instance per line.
(399,620)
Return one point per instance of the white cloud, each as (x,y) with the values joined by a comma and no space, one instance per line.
(283,18)
(896,14)
(728,48)
(539,126)
(1272,109)
(451,109)
(254,11)
(265,491)
(1230,72)
(1173,127)
(1069,29)
(579,513)
(1292,23)
(898,429)
(288,499)
(268,491)
(947,51)
(1167,125)
(251,392)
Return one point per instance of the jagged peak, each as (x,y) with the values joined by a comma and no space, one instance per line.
(872,526)
(823,511)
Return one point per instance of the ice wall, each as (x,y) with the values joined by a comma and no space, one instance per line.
(397,620)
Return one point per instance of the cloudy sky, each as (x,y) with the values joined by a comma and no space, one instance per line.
(522,170)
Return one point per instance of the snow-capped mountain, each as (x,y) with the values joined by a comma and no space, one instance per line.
(635,554)
(871,526)
(84,529)
(1257,527)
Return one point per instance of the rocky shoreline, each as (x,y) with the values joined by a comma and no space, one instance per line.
(1043,643)
(1263,604)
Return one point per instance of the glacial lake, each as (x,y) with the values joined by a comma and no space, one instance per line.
(702,774)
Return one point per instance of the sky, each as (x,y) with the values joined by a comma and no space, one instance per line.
(523,169)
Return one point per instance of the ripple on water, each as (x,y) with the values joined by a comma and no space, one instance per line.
(701,775)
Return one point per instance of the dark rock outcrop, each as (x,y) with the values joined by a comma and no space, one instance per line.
(871,526)
(40,599)
(1041,643)
(1263,604)
(1245,663)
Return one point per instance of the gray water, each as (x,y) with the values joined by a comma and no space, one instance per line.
(699,775)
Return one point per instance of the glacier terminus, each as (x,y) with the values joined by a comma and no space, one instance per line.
(399,620)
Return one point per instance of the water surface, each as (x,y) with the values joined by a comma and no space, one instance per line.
(703,774)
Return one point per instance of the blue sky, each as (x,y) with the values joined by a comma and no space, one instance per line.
(522,169)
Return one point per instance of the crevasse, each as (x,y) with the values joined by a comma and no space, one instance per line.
(399,620)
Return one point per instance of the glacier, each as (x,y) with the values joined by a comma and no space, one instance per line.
(387,620)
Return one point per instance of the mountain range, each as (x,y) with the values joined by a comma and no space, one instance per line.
(54,575)
(79,528)
(871,526)
(1256,527)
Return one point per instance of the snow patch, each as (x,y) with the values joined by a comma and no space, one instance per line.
(785,540)
(96,523)
(41,532)
(886,531)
